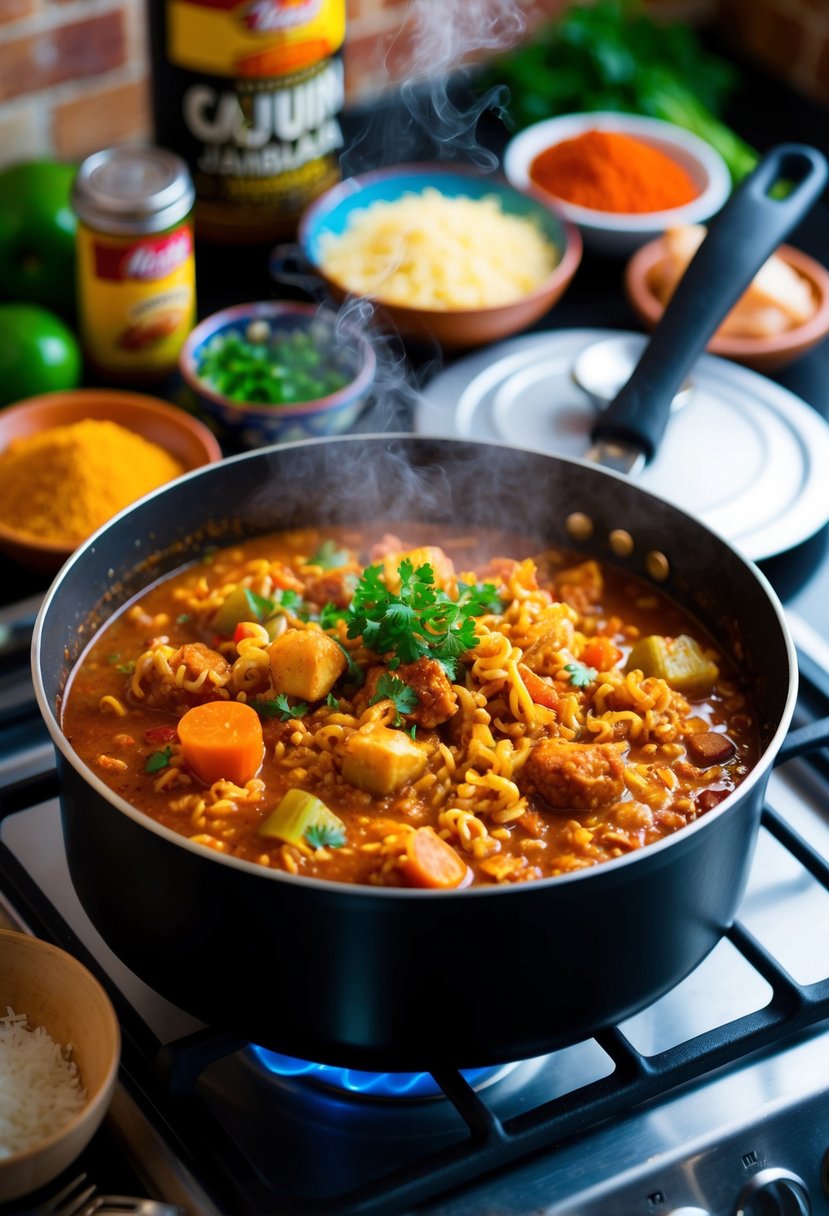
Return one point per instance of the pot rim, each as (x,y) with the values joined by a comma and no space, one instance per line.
(610,869)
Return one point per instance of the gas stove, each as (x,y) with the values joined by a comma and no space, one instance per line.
(713,1100)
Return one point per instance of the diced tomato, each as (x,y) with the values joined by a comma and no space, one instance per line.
(243,630)
(540,691)
(161,734)
(601,654)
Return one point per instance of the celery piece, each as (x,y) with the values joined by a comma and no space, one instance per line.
(240,605)
(678,661)
(295,814)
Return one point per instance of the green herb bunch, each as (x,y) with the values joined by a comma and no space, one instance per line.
(612,55)
(420,620)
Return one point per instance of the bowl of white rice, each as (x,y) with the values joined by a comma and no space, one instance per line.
(444,252)
(60,1046)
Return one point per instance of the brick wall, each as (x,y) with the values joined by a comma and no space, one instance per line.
(788,37)
(73,73)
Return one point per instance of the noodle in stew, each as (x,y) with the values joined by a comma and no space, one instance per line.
(430,709)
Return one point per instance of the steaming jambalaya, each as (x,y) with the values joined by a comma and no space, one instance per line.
(425,710)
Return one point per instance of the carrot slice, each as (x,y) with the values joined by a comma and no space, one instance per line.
(601,653)
(431,862)
(540,691)
(222,740)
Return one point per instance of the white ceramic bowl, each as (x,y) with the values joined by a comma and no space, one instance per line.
(618,234)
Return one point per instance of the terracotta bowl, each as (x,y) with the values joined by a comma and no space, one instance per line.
(189,440)
(458,328)
(57,992)
(613,233)
(762,354)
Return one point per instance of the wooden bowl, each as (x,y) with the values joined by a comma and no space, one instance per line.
(762,354)
(455,328)
(183,436)
(57,992)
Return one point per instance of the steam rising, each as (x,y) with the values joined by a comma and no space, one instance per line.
(439,42)
(432,115)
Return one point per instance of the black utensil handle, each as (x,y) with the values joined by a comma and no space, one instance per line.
(746,232)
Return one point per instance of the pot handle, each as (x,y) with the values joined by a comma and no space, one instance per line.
(748,229)
(288,264)
(804,739)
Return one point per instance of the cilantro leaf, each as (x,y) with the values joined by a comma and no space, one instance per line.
(329,557)
(325,836)
(420,620)
(158,760)
(278,707)
(580,674)
(289,599)
(403,697)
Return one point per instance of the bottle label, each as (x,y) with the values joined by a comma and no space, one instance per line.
(259,92)
(253,38)
(137,298)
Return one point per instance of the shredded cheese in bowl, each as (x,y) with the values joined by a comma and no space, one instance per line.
(40,1087)
(433,251)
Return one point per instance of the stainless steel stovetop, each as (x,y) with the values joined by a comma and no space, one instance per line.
(715,1100)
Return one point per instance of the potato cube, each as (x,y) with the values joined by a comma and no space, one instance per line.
(426,555)
(381,760)
(306,663)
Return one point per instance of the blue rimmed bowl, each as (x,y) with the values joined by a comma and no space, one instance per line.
(250,424)
(452,328)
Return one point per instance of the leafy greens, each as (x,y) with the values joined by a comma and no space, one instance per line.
(420,620)
(612,55)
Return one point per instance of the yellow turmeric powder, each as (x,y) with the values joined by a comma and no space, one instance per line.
(63,483)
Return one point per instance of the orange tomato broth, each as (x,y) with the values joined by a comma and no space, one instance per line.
(488,821)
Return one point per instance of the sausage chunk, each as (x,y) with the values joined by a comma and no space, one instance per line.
(574,776)
(710,747)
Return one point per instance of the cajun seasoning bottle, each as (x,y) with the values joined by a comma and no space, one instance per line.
(249,92)
(136,266)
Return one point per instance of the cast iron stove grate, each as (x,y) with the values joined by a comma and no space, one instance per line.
(164,1079)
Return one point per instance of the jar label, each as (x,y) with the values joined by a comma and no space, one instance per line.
(137,298)
(253,38)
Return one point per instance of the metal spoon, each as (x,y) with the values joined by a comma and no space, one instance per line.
(603,367)
(746,232)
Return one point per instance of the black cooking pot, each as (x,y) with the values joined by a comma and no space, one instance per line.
(399,979)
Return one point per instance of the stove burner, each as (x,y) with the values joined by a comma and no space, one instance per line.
(407,1085)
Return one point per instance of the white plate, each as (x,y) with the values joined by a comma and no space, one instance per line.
(747,457)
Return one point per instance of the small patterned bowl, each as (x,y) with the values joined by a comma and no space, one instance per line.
(252,425)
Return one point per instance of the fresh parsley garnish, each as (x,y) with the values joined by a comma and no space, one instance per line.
(329,615)
(329,557)
(158,760)
(290,600)
(332,702)
(325,836)
(278,707)
(580,674)
(403,697)
(420,620)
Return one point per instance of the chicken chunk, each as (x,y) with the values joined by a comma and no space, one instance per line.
(437,701)
(426,555)
(574,776)
(381,761)
(306,663)
(197,675)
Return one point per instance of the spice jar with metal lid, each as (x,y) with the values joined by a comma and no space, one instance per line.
(136,263)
